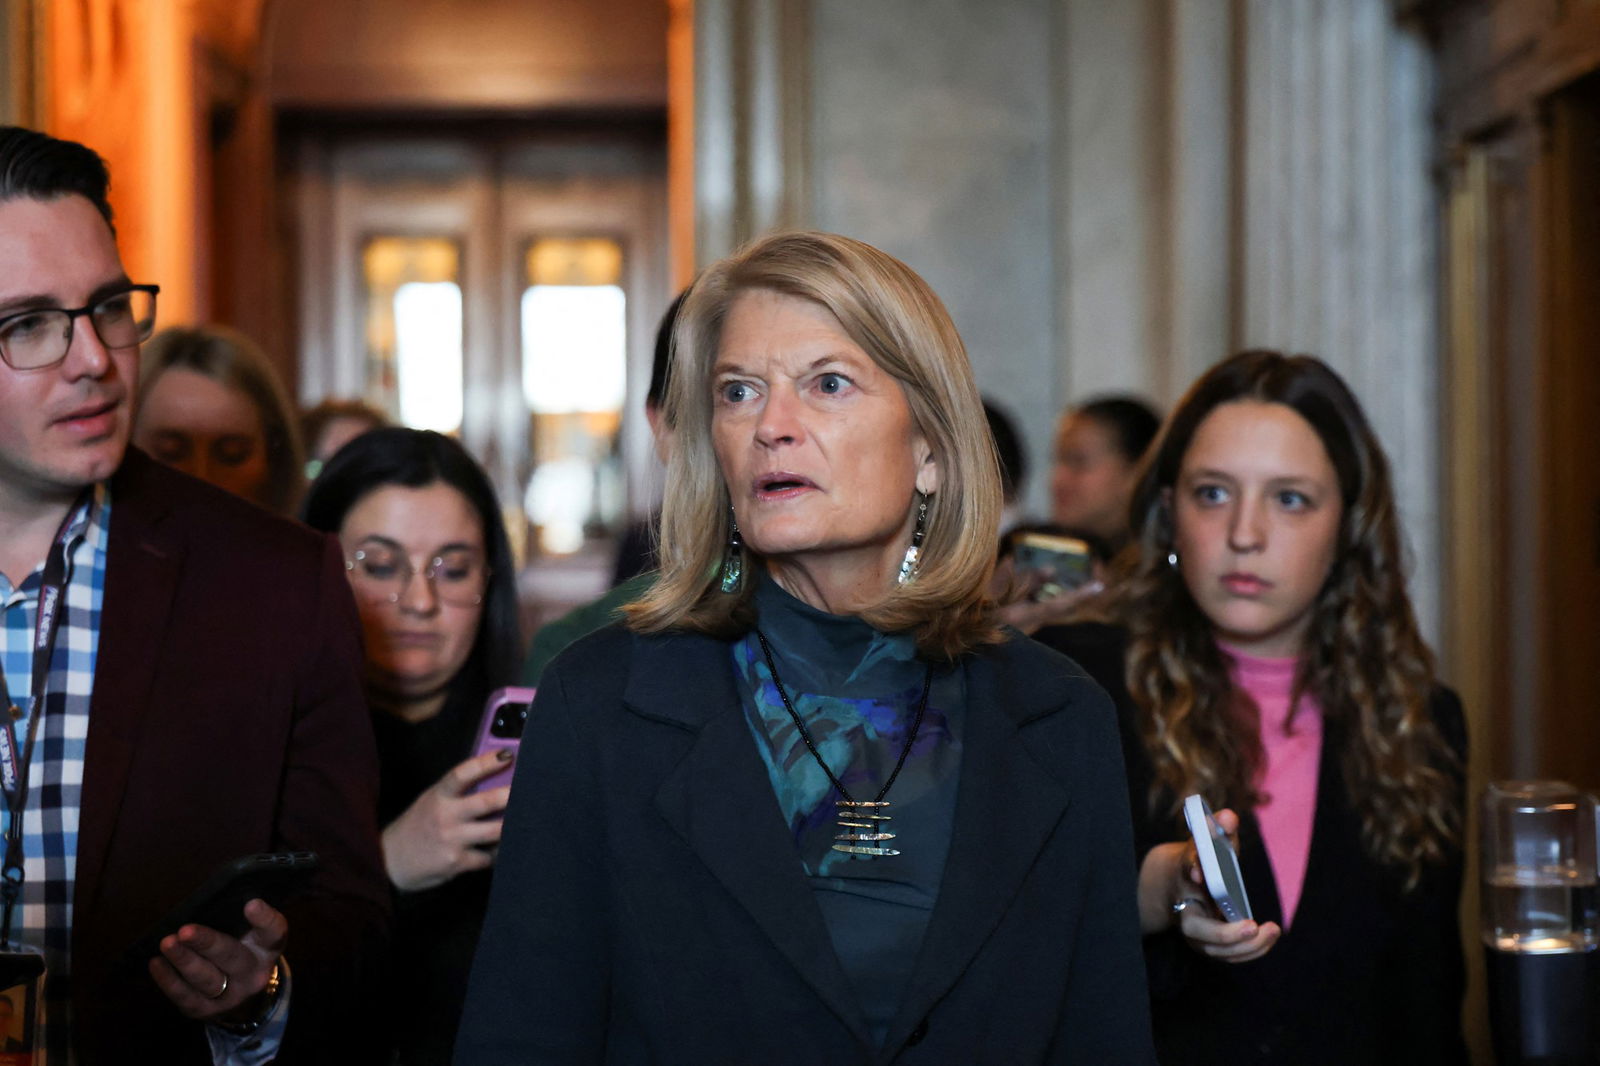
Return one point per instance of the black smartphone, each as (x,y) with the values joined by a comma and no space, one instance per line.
(219,902)
(1062,563)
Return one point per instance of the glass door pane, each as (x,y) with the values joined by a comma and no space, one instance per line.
(574,373)
(414,330)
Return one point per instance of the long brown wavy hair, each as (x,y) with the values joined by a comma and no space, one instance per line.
(1363,659)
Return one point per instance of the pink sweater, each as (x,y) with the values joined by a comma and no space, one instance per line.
(1288,782)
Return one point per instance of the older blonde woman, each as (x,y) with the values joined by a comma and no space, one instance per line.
(809,804)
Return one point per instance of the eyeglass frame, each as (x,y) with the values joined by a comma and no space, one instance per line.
(73,314)
(430,574)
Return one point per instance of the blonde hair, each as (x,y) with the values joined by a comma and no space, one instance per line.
(229,357)
(892,314)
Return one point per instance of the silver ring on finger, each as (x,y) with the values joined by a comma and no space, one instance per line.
(223,990)
(1184,904)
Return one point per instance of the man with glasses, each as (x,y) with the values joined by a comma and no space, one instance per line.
(183,679)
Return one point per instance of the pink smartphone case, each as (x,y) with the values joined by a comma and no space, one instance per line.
(509,697)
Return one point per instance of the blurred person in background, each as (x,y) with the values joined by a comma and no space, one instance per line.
(1013,464)
(1097,451)
(211,405)
(637,553)
(332,424)
(434,580)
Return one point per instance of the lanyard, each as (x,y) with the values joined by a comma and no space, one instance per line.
(14,765)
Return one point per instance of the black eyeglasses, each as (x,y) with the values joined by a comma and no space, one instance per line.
(39,339)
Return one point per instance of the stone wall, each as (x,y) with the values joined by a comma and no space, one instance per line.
(1108,195)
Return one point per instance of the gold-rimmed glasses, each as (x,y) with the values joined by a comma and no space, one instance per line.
(458,576)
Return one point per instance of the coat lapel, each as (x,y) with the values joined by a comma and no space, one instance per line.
(1319,888)
(720,801)
(1007,808)
(142,566)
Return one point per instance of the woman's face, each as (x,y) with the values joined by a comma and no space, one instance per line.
(815,441)
(1091,479)
(419,631)
(1256,512)
(207,429)
(336,434)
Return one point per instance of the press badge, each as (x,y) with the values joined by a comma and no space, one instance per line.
(21,997)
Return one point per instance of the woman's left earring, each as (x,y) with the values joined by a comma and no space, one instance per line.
(908,566)
(733,561)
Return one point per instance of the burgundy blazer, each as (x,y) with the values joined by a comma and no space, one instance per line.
(227,718)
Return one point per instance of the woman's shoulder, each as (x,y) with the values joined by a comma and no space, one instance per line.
(601,664)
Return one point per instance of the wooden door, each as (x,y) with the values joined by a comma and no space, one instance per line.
(1569,428)
(457,219)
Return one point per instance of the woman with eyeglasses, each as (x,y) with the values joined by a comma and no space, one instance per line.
(433,577)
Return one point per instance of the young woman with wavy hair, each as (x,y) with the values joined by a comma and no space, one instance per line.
(1266,656)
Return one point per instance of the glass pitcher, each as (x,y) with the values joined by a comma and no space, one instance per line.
(1541,922)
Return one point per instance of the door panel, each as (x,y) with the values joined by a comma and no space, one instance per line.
(386,216)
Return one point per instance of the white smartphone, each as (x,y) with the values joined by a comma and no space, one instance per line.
(1218,863)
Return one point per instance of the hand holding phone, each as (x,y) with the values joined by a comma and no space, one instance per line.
(218,903)
(1059,564)
(504,716)
(452,827)
(1218,863)
(213,977)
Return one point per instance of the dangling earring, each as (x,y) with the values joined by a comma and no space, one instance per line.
(1172,559)
(908,565)
(733,559)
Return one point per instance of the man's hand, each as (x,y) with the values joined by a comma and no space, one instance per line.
(214,978)
(448,829)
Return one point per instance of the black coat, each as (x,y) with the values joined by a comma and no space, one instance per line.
(649,905)
(1366,973)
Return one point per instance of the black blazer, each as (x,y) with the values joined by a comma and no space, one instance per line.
(649,905)
(1366,973)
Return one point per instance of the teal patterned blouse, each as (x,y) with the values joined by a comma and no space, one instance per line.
(857,689)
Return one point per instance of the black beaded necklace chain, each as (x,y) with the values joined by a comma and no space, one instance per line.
(862,820)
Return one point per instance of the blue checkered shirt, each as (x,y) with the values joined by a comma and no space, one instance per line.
(55,792)
(50,820)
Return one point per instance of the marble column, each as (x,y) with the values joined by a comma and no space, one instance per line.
(1338,226)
